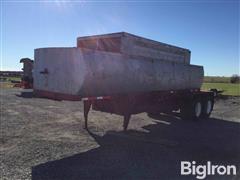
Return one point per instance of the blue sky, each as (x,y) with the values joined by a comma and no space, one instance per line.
(210,29)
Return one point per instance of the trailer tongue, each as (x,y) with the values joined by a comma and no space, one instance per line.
(123,74)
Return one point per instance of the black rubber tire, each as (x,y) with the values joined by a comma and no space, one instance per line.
(206,112)
(188,110)
(215,92)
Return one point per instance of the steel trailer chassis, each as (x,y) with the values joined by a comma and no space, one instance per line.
(193,104)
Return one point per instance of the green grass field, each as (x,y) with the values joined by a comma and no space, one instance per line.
(216,79)
(7,83)
(228,88)
(14,79)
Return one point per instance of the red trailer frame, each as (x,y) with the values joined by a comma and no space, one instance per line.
(193,104)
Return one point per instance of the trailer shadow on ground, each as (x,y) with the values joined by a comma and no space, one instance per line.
(155,154)
(26,94)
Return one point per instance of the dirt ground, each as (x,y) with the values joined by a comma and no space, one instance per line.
(45,139)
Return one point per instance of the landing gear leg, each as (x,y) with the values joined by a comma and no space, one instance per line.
(126,121)
(86,107)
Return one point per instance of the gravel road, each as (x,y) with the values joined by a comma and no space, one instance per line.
(45,139)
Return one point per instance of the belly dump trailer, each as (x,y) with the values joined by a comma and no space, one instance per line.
(123,74)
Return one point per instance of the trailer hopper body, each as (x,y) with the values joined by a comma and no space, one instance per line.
(123,74)
(86,72)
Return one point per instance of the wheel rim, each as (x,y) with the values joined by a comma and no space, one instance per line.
(198,109)
(209,107)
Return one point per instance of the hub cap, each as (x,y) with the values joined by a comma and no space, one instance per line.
(198,109)
(209,106)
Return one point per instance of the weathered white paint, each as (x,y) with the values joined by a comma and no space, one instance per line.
(85,72)
(139,47)
(66,67)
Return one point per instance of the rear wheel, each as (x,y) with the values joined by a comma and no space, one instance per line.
(192,110)
(197,109)
(207,108)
